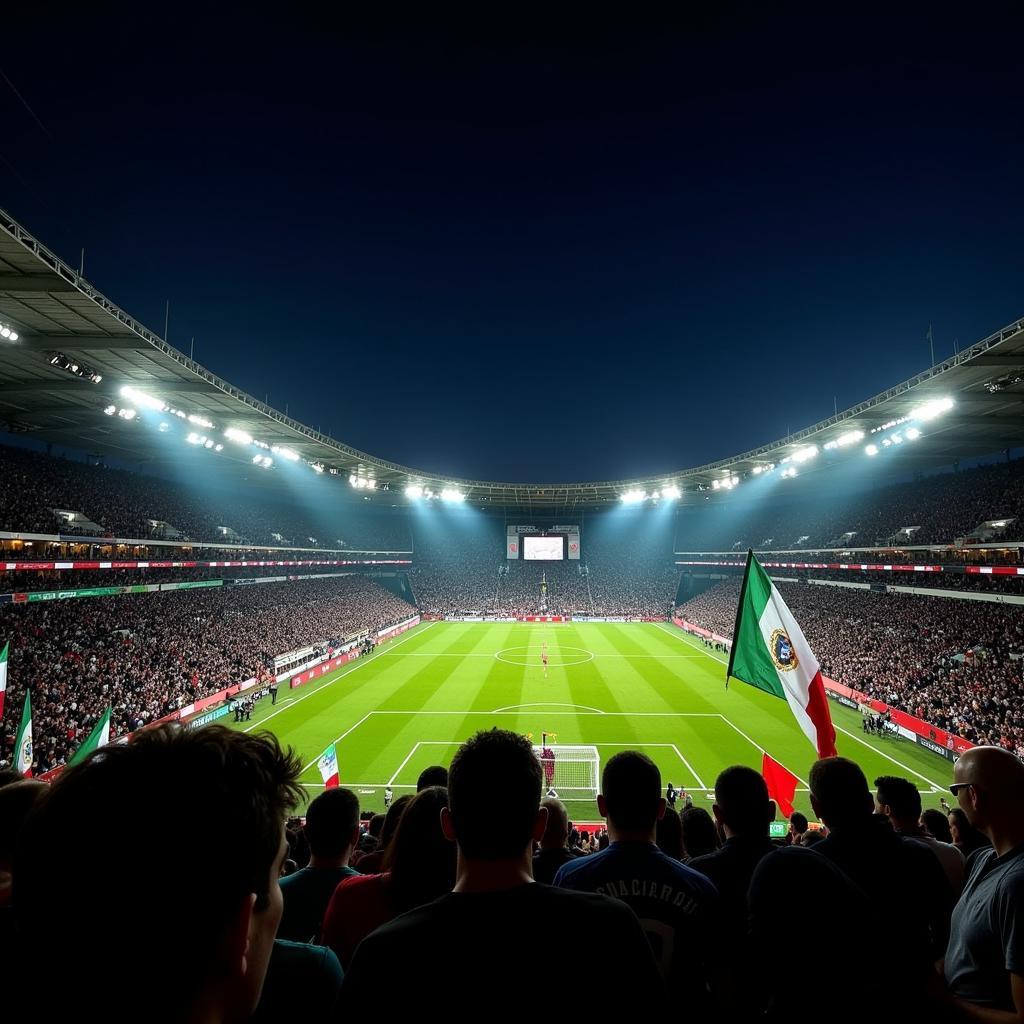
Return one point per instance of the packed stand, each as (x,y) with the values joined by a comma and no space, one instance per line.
(123,504)
(945,506)
(703,922)
(956,664)
(147,655)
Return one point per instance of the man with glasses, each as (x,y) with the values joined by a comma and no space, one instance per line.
(984,963)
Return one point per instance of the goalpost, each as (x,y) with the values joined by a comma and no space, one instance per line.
(571,772)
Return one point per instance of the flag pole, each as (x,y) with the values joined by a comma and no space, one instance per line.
(739,613)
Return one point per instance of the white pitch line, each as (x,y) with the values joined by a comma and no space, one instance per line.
(610,714)
(759,747)
(654,657)
(547,704)
(689,767)
(320,689)
(683,637)
(408,756)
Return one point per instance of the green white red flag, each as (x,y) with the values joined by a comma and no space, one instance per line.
(769,651)
(23,741)
(99,737)
(328,765)
(3,676)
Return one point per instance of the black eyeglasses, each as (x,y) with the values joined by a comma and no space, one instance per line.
(959,785)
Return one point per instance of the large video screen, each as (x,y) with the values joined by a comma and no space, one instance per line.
(543,549)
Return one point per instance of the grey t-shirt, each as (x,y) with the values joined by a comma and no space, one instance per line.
(986,940)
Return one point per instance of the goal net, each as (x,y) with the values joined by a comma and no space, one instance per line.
(570,772)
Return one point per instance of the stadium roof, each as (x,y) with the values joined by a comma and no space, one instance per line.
(58,315)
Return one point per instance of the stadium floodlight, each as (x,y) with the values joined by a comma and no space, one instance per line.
(803,454)
(845,440)
(452,494)
(790,471)
(263,460)
(164,427)
(897,439)
(194,438)
(286,453)
(110,410)
(218,447)
(631,497)
(200,421)
(8,333)
(414,491)
(127,414)
(929,410)
(913,433)
(207,443)
(238,436)
(871,449)
(317,467)
(141,398)
(671,492)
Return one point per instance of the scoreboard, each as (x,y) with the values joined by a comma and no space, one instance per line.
(542,544)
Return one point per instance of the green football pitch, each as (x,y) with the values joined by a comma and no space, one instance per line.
(640,686)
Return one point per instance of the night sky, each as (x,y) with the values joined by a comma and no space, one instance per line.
(528,250)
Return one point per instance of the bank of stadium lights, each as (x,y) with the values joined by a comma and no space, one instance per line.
(264,461)
(317,467)
(801,455)
(8,333)
(146,401)
(871,449)
(452,494)
(789,471)
(63,362)
(766,468)
(727,484)
(238,436)
(931,409)
(671,492)
(913,433)
(199,421)
(362,483)
(285,453)
(633,496)
(845,440)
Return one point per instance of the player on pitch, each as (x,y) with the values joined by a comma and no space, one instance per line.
(544,657)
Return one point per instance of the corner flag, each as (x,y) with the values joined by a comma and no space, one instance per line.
(769,652)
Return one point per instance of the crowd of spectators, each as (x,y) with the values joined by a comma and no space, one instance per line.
(956,664)
(127,504)
(274,917)
(147,655)
(944,506)
(620,572)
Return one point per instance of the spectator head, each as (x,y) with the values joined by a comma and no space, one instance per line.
(700,835)
(392,818)
(899,800)
(9,775)
(435,775)
(376,826)
(630,796)
(797,825)
(16,800)
(176,806)
(486,828)
(669,835)
(812,836)
(742,807)
(839,793)
(936,824)
(332,825)
(419,857)
(988,783)
(556,832)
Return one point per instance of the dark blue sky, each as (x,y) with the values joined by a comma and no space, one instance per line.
(535,251)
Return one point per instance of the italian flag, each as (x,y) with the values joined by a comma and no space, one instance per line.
(99,737)
(3,676)
(23,741)
(328,765)
(769,651)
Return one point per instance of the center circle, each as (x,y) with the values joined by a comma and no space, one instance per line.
(524,657)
